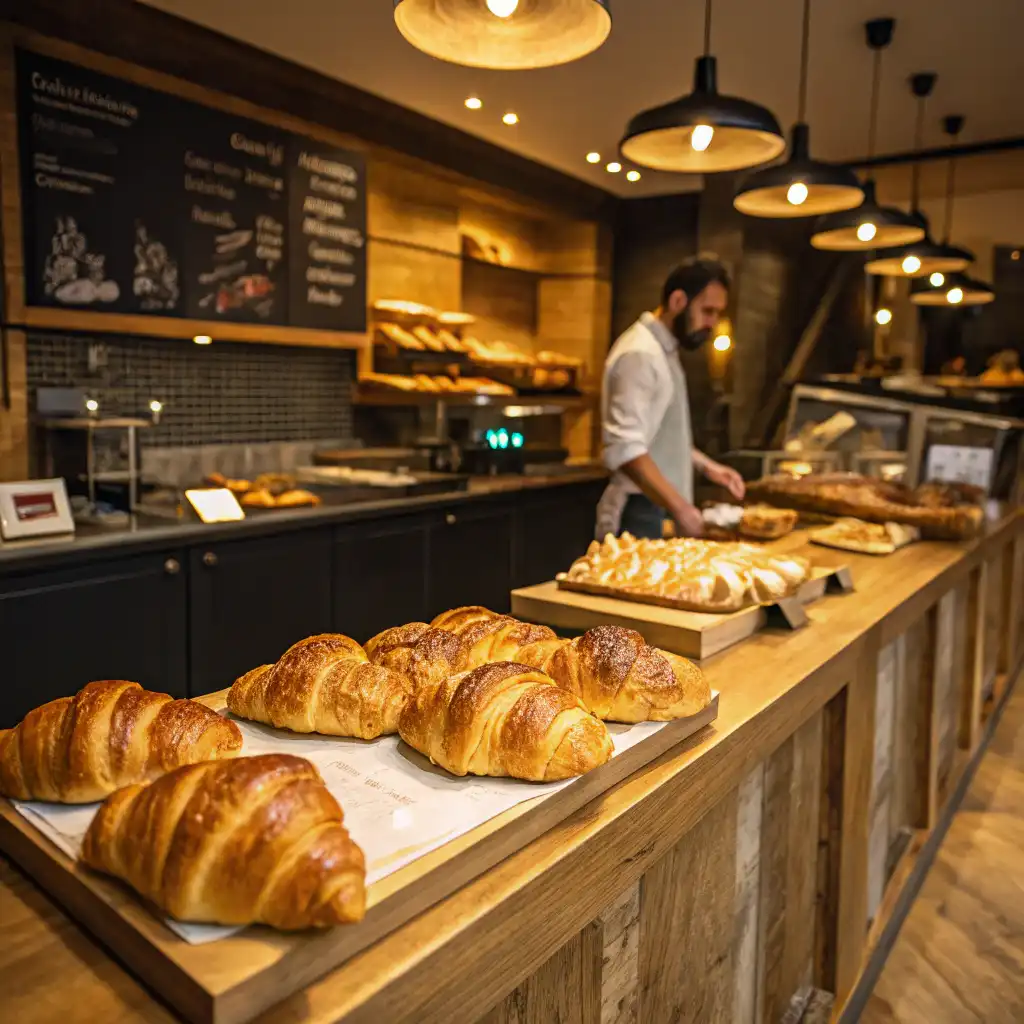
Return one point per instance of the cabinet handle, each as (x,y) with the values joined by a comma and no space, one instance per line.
(172,567)
(451,519)
(209,559)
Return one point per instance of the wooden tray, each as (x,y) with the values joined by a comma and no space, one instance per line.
(234,979)
(576,607)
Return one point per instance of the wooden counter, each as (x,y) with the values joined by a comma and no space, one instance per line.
(758,857)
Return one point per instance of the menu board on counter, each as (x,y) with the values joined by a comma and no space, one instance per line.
(135,201)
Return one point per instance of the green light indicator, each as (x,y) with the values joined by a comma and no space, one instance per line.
(492,439)
(503,438)
(517,440)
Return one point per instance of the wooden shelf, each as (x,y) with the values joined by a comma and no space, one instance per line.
(557,403)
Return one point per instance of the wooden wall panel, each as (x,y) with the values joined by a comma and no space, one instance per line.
(500,235)
(993,621)
(882,773)
(14,421)
(504,303)
(416,275)
(947,695)
(574,317)
(749,815)
(411,207)
(973,658)
(620,960)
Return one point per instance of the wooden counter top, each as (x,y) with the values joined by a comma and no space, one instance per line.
(455,962)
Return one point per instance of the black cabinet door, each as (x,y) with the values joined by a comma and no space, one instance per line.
(380,576)
(470,560)
(123,619)
(250,600)
(553,530)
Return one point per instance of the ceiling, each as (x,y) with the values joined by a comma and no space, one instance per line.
(569,110)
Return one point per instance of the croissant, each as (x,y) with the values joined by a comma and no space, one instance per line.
(112,733)
(621,678)
(491,637)
(504,719)
(418,652)
(254,840)
(323,684)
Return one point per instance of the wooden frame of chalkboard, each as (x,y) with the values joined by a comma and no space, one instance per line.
(318,148)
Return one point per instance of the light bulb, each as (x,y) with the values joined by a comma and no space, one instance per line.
(155,406)
(955,295)
(866,231)
(910,265)
(502,8)
(937,279)
(203,339)
(797,193)
(92,405)
(474,102)
(593,158)
(511,118)
(633,176)
(701,136)
(722,343)
(883,316)
(614,167)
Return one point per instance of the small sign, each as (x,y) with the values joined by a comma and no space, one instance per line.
(215,505)
(960,464)
(34,508)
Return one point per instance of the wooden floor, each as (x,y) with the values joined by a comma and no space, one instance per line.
(959,957)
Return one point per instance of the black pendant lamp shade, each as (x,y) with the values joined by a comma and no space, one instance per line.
(850,230)
(922,259)
(800,187)
(703,132)
(955,290)
(507,35)
(776,191)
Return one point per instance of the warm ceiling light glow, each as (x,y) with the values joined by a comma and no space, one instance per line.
(511,118)
(955,296)
(92,405)
(866,231)
(474,102)
(203,339)
(937,279)
(593,158)
(155,406)
(1015,255)
(701,136)
(614,167)
(797,193)
(502,8)
(883,316)
(910,265)
(722,343)
(633,176)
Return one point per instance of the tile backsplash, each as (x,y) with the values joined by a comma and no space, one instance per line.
(225,393)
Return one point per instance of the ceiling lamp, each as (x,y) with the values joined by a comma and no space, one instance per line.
(869,225)
(800,187)
(924,258)
(704,131)
(955,290)
(509,35)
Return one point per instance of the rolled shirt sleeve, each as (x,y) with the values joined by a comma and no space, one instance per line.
(629,418)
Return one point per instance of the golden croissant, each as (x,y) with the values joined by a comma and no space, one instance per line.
(112,733)
(505,719)
(323,684)
(491,637)
(253,840)
(418,652)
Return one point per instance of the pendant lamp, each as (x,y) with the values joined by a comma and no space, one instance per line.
(800,187)
(955,290)
(704,131)
(507,35)
(924,258)
(869,225)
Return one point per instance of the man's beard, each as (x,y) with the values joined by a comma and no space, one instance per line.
(689,339)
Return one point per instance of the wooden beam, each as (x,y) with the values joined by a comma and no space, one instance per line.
(974,659)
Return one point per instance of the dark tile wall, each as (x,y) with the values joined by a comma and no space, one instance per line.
(216,394)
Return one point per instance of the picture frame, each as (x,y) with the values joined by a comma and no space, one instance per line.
(34,508)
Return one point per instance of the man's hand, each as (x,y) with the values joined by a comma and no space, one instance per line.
(689,521)
(727,477)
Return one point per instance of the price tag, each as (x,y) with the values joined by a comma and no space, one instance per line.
(34,508)
(215,505)
(960,464)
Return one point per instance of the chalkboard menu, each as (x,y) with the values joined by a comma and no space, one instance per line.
(135,201)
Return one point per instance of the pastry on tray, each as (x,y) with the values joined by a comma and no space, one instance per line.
(400,337)
(296,498)
(112,733)
(258,499)
(419,653)
(866,538)
(505,719)
(755,522)
(257,840)
(428,338)
(323,684)
(697,575)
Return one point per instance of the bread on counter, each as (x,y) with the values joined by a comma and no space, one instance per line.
(113,733)
(421,654)
(865,538)
(257,840)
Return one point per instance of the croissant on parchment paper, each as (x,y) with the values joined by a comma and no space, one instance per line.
(112,733)
(418,652)
(491,637)
(505,719)
(256,840)
(323,684)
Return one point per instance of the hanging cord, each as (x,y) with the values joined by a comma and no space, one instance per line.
(950,190)
(875,83)
(915,173)
(707,29)
(802,105)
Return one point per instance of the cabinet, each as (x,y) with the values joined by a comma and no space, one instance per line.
(553,530)
(122,619)
(380,576)
(470,559)
(250,600)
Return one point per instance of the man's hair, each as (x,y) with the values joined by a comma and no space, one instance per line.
(693,276)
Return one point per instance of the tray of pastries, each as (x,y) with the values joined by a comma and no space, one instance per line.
(266,491)
(865,538)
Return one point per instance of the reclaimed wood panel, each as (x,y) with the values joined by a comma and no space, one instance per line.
(574,317)
(687,924)
(395,271)
(947,697)
(973,663)
(504,303)
(993,621)
(1012,643)
(14,429)
(749,814)
(882,773)
(620,959)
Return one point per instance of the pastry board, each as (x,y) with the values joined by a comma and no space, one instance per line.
(576,607)
(234,978)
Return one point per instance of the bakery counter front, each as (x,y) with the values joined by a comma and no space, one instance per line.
(520,850)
